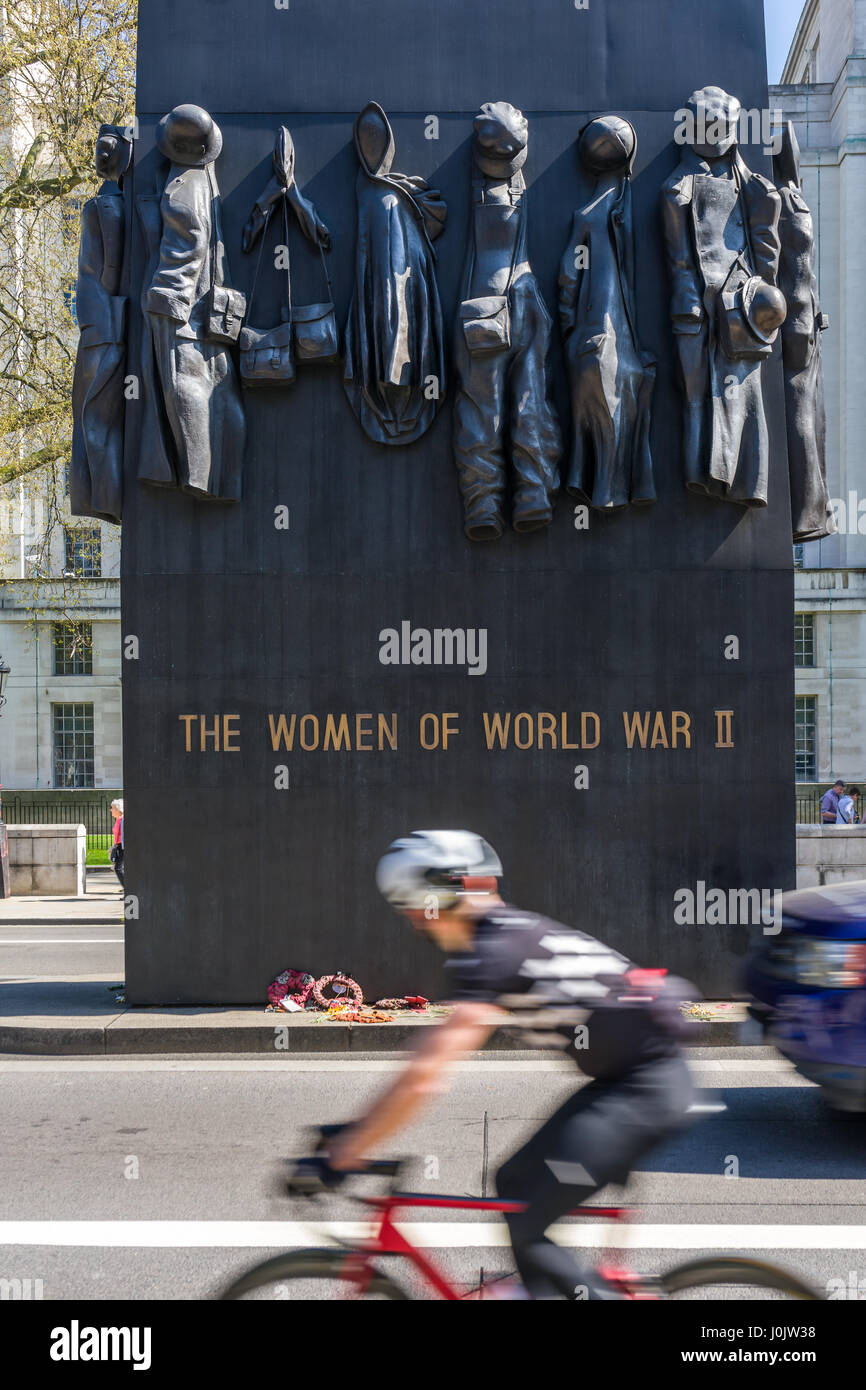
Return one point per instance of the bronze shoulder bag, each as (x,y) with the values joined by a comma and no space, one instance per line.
(266,353)
(486,321)
(315,327)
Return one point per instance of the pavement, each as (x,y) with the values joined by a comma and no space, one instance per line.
(155,1177)
(61,992)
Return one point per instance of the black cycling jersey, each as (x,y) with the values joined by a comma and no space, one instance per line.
(565,989)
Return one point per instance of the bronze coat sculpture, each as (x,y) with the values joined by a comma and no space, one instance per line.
(394,344)
(721,230)
(156,447)
(96,461)
(197,393)
(811,513)
(306,333)
(611,378)
(283,184)
(502,342)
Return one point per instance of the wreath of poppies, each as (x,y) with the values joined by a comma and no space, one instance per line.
(297,985)
(351,990)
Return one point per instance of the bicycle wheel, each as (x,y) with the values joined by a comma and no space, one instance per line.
(309,1274)
(735,1277)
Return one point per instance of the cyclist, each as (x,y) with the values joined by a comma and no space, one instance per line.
(560,988)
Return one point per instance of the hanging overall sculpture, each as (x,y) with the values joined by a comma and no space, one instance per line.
(721,231)
(502,413)
(395,360)
(611,377)
(96,461)
(193,320)
(811,514)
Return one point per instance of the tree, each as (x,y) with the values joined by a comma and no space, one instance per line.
(66,66)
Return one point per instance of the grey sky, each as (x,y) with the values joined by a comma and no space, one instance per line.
(782,18)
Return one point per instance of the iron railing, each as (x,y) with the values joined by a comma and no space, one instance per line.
(809,808)
(95,815)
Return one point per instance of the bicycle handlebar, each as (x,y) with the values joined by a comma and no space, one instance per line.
(310,1175)
(383,1167)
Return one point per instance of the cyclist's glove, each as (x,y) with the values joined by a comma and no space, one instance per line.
(309,1177)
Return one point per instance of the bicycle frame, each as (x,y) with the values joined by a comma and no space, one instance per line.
(388,1240)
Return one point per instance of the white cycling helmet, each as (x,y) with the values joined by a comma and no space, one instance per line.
(437,863)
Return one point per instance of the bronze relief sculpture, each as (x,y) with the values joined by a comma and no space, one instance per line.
(194,409)
(502,413)
(394,373)
(811,513)
(721,231)
(96,461)
(611,378)
(306,333)
(283,187)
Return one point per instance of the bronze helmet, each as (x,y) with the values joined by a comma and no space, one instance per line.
(189,135)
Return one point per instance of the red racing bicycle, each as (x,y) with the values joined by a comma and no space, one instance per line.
(353,1270)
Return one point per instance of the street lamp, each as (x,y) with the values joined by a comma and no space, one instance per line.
(5,885)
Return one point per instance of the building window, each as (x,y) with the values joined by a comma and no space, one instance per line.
(804,639)
(73,649)
(810,71)
(34,563)
(83,552)
(799,557)
(73,745)
(806,738)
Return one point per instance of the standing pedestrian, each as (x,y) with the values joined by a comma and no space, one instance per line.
(116,852)
(830,802)
(847,813)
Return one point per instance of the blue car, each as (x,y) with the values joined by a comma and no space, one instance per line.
(808,988)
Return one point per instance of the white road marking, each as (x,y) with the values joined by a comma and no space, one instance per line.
(430,1235)
(65,941)
(293,1064)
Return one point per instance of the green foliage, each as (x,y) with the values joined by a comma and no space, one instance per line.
(66,66)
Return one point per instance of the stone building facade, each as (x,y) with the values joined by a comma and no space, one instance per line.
(60,728)
(823,90)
